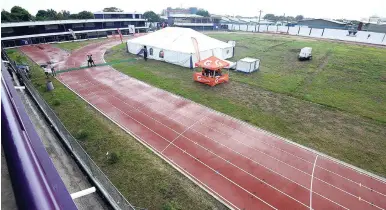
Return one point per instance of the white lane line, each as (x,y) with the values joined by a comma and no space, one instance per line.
(261,180)
(312,179)
(182,133)
(291,143)
(171,143)
(244,156)
(171,162)
(191,155)
(176,121)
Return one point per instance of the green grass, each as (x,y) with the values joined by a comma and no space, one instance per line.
(70,46)
(345,120)
(343,76)
(141,176)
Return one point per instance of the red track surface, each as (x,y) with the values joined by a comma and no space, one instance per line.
(245,167)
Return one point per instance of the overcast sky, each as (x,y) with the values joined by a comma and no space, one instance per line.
(348,9)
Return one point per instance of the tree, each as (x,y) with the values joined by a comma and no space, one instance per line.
(203,12)
(66,14)
(151,16)
(85,15)
(270,17)
(73,16)
(112,9)
(299,17)
(6,16)
(20,14)
(48,14)
(41,15)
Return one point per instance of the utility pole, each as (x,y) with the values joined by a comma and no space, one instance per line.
(259,20)
(260,15)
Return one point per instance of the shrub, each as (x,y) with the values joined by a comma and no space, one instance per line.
(113,158)
(81,134)
(56,102)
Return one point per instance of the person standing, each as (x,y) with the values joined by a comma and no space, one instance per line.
(88,60)
(47,71)
(53,71)
(145,53)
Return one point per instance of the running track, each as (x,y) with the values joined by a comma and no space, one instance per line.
(241,165)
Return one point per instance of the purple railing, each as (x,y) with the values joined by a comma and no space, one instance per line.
(35,181)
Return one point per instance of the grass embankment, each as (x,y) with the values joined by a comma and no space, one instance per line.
(345,82)
(141,176)
(70,46)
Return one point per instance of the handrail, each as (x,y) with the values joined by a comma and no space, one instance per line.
(35,181)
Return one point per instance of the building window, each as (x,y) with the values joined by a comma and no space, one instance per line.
(7,30)
(90,25)
(151,51)
(109,24)
(136,16)
(51,27)
(122,16)
(77,25)
(107,16)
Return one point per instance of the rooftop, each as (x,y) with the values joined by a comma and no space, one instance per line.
(333,21)
(122,13)
(186,16)
(54,22)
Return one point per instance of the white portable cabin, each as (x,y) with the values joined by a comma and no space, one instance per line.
(248,65)
(305,53)
(174,45)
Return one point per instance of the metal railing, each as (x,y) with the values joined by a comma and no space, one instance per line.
(35,181)
(106,187)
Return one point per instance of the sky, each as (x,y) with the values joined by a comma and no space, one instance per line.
(332,9)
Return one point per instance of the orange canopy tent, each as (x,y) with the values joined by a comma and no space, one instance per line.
(211,73)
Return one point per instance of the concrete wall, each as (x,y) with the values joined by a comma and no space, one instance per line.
(338,34)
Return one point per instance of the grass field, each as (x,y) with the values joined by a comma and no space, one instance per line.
(70,46)
(335,103)
(143,178)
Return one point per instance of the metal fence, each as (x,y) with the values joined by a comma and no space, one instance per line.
(106,187)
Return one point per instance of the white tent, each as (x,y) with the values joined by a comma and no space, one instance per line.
(175,45)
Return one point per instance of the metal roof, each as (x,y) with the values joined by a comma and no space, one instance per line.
(186,16)
(333,21)
(119,13)
(63,33)
(60,22)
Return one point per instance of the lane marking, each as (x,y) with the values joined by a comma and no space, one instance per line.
(244,156)
(191,155)
(171,162)
(261,180)
(312,179)
(182,133)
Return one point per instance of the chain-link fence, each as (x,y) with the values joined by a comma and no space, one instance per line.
(109,191)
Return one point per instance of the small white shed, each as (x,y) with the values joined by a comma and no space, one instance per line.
(248,65)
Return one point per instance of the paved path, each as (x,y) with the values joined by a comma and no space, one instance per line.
(243,166)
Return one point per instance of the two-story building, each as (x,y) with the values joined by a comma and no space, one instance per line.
(193,21)
(103,24)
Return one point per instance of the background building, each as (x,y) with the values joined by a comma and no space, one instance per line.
(322,23)
(104,24)
(195,22)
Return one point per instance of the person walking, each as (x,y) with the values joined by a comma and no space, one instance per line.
(53,71)
(145,53)
(90,61)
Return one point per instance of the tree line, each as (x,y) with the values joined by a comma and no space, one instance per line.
(19,14)
(275,18)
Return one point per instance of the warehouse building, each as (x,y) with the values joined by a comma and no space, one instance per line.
(323,23)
